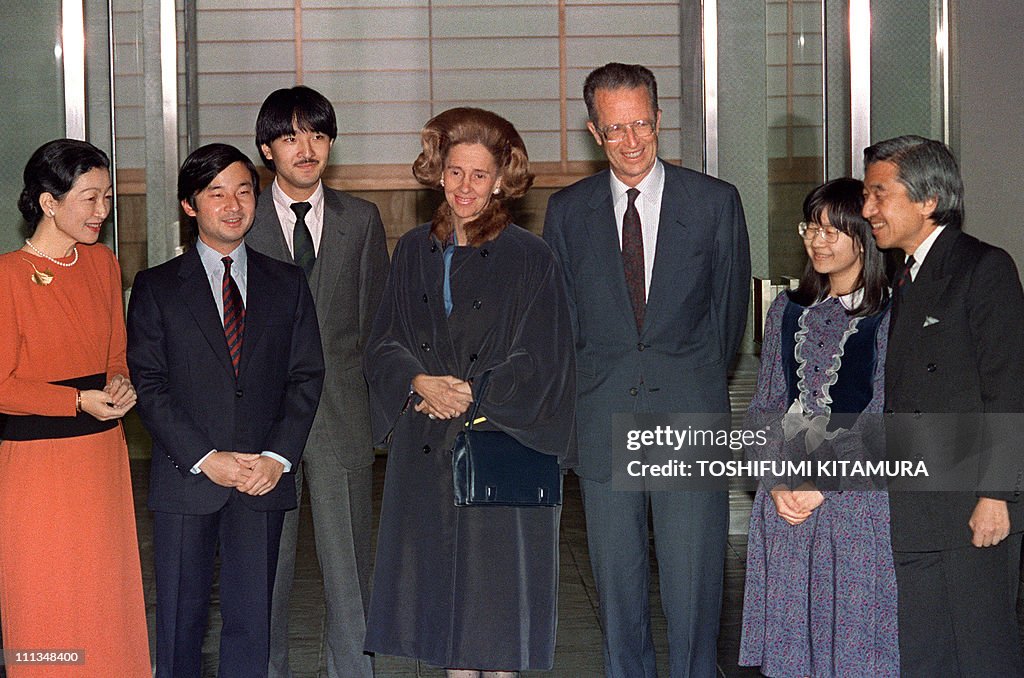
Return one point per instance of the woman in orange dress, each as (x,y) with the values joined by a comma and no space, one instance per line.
(70,580)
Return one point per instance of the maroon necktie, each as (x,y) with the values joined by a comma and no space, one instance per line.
(633,258)
(234,315)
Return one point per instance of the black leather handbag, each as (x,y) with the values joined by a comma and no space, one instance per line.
(491,468)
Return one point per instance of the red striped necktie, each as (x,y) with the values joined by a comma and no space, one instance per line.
(234,315)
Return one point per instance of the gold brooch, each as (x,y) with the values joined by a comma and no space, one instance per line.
(40,277)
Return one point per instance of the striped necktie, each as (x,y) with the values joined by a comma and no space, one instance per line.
(234,315)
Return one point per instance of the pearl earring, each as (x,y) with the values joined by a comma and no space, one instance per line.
(442,183)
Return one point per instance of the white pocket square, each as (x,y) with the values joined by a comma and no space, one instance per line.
(928,320)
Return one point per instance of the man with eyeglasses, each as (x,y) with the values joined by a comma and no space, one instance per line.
(657,266)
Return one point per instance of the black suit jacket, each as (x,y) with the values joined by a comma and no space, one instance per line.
(956,346)
(188,396)
(696,306)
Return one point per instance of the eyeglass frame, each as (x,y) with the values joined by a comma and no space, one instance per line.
(803,228)
(630,127)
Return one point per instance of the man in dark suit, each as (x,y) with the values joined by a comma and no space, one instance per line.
(658,286)
(225,355)
(955,347)
(339,241)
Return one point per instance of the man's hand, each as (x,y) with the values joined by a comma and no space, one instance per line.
(264,476)
(444,397)
(990,522)
(228,469)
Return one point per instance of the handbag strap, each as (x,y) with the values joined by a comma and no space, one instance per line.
(481,382)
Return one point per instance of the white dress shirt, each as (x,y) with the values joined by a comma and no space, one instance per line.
(922,251)
(648,205)
(286,217)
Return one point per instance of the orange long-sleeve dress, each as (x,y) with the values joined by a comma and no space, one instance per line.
(70,577)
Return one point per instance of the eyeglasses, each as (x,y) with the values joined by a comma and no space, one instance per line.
(613,134)
(809,232)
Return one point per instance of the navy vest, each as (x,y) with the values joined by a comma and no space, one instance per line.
(854,389)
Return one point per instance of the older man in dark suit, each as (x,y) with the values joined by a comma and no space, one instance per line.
(225,355)
(657,267)
(955,347)
(339,241)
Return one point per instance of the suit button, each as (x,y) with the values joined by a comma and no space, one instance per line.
(821,344)
(238,393)
(932,367)
(477,304)
(426,449)
(484,253)
(633,391)
(473,357)
(424,298)
(433,247)
(917,414)
(816,368)
(425,346)
(641,346)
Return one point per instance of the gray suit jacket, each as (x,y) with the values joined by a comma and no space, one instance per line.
(347,283)
(696,306)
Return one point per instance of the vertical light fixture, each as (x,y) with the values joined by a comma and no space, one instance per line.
(942,51)
(73,54)
(860,83)
(709,23)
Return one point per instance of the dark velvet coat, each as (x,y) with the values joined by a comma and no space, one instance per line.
(471,587)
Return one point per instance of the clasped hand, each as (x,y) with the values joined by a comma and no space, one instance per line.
(251,474)
(444,397)
(796,506)
(113,402)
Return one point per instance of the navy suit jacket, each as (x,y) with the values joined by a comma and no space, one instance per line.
(696,305)
(188,396)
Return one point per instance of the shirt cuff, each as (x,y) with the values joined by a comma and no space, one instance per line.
(277,457)
(195,469)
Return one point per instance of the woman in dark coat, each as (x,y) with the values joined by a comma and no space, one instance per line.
(473,589)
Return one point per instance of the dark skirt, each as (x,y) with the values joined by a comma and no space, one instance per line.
(460,587)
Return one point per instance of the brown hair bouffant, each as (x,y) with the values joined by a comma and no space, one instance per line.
(474,126)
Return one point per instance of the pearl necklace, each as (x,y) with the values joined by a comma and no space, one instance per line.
(51,259)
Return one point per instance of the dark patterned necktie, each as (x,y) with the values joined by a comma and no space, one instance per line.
(903,279)
(633,258)
(302,242)
(234,315)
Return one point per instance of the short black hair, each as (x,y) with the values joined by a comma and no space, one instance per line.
(53,168)
(619,76)
(289,110)
(202,166)
(927,169)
